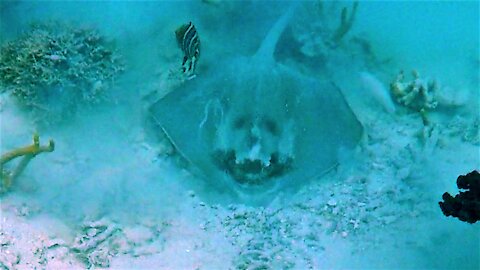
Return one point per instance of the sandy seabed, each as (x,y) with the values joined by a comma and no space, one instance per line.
(112,195)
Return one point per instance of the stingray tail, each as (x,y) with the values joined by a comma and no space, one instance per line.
(266,50)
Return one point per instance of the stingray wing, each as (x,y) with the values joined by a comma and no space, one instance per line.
(186,117)
(327,129)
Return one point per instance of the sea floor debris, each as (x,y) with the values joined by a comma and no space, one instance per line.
(98,242)
(297,231)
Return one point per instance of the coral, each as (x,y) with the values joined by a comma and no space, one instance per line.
(317,30)
(466,205)
(54,68)
(320,41)
(417,94)
(345,23)
(28,153)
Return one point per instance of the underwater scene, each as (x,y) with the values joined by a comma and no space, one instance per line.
(216,134)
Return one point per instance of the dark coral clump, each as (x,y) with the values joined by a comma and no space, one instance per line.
(466,205)
(54,68)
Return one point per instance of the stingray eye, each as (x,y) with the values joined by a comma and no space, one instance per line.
(271,126)
(239,123)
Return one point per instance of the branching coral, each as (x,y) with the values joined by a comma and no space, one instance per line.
(318,31)
(28,152)
(321,41)
(417,94)
(346,23)
(53,68)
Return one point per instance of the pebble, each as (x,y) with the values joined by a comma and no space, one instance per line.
(91,232)
(332,202)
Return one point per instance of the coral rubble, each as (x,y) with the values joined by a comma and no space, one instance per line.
(54,68)
(89,246)
(100,240)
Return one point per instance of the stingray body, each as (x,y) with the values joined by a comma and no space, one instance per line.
(253,125)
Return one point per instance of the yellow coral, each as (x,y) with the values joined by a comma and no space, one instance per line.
(417,94)
(28,152)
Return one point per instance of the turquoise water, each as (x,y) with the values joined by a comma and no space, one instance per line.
(286,143)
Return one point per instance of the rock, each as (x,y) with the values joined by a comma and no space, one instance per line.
(332,202)
(9,260)
(191,193)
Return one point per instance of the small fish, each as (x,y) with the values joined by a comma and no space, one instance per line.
(189,43)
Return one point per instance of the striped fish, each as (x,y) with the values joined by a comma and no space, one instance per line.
(189,43)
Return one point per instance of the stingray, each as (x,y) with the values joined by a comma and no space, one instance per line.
(252,125)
